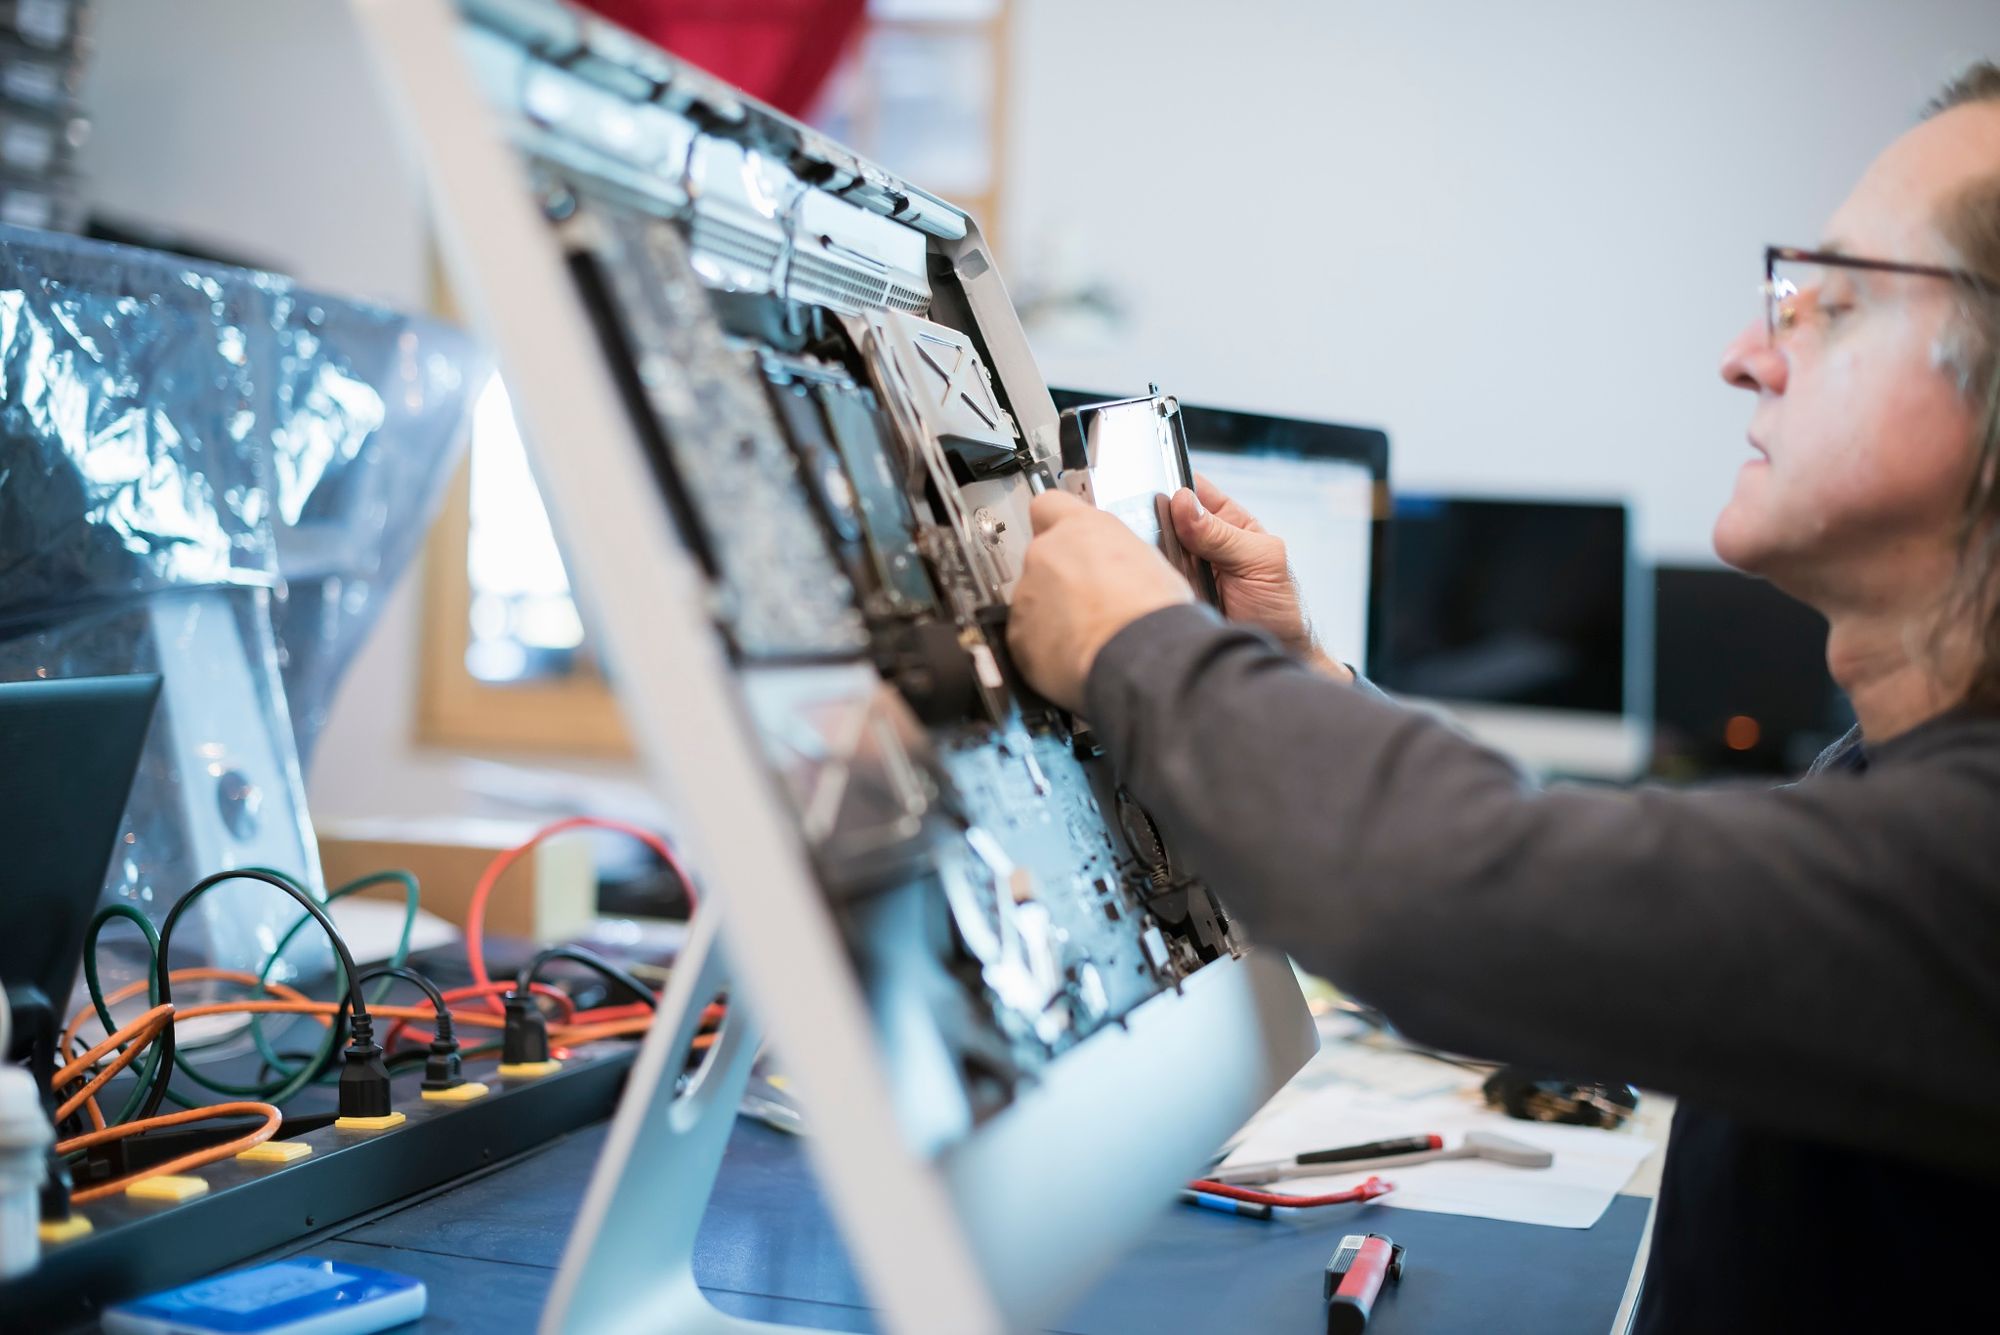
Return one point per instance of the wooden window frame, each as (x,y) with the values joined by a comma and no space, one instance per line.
(576,714)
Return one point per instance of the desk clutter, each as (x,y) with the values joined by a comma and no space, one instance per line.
(293,1112)
(1484,1163)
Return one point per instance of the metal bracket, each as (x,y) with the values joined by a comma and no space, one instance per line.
(629,1263)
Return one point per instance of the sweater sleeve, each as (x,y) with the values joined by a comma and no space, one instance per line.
(1819,957)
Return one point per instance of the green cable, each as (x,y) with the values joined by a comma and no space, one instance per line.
(318,1062)
(292,1079)
(274,1091)
(104,917)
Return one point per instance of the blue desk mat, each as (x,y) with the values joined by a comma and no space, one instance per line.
(768,1250)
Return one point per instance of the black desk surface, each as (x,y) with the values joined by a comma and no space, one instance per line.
(488,1251)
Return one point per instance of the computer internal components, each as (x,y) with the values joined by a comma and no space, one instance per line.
(1128,457)
(781,592)
(845,445)
(817,377)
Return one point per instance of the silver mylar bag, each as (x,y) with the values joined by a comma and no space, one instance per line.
(216,475)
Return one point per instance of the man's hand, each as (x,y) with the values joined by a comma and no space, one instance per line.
(1086,577)
(1252,575)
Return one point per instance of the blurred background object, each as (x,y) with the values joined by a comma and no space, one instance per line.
(1525,619)
(1352,213)
(1740,685)
(43,46)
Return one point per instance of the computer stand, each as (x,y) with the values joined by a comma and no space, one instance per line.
(629,1264)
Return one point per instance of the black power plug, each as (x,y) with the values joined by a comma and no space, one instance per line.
(524,1041)
(364,1076)
(442,1068)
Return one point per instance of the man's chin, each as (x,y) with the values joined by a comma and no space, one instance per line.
(1739,542)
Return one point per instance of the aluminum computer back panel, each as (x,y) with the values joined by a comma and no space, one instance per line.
(787,426)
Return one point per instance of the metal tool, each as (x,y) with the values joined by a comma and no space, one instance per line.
(1475,1145)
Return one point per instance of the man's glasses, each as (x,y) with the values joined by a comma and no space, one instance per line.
(1794,279)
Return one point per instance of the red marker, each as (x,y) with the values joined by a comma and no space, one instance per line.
(1354,1276)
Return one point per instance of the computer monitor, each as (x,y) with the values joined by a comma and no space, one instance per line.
(1318,485)
(1527,620)
(788,428)
(71,749)
(1740,684)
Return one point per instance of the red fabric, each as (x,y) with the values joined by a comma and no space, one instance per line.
(778,51)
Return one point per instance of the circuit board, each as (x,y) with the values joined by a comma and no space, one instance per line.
(800,357)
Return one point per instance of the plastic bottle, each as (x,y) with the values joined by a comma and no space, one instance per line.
(24,1145)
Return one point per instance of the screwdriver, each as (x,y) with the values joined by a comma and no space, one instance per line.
(1414,1149)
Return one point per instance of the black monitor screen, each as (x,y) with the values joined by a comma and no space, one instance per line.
(1505,602)
(1741,684)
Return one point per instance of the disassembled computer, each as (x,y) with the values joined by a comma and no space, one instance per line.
(789,427)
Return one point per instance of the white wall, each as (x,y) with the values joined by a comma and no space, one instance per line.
(1516,235)
(253,123)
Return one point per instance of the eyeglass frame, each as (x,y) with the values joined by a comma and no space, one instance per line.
(1836,260)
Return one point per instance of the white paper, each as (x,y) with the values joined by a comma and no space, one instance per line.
(371,928)
(1351,1094)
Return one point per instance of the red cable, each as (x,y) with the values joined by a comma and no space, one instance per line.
(1367,1191)
(475,917)
(637,1010)
(409,1028)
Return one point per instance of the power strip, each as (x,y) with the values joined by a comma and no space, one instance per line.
(137,1246)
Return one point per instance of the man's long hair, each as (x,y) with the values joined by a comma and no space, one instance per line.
(1970,351)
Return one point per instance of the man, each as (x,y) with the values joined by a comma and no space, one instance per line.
(1814,971)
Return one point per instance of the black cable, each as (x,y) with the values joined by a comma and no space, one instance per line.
(418,1056)
(163,1072)
(443,1062)
(590,960)
(430,990)
(396,1061)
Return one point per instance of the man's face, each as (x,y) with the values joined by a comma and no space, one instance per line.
(1863,444)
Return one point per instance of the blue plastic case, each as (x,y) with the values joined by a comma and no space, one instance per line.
(302,1295)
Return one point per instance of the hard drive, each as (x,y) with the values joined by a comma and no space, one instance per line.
(1128,457)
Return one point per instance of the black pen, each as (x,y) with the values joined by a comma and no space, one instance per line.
(1375,1154)
(1378,1149)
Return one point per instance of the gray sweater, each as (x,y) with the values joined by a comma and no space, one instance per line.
(1821,960)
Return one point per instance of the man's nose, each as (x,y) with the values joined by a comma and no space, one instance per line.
(1753,362)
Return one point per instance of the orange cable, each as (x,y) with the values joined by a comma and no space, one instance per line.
(136,1036)
(272,1119)
(83,1016)
(475,917)
(422,1037)
(246,1007)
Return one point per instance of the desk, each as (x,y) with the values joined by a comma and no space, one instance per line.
(487,1248)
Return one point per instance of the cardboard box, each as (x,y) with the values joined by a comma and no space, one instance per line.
(549,894)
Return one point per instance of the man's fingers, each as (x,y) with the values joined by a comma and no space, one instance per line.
(1052,507)
(1207,535)
(1211,495)
(1218,502)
